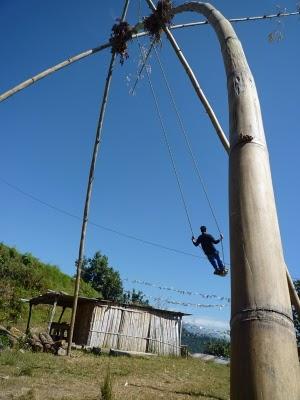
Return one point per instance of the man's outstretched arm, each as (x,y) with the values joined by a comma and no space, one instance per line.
(216,241)
(196,242)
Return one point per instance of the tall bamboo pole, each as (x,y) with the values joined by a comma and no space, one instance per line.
(51,70)
(264,361)
(90,187)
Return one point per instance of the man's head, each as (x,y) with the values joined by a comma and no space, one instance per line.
(203,229)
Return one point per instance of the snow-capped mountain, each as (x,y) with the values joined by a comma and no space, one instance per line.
(206,330)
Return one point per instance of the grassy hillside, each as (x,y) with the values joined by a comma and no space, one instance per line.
(34,376)
(24,276)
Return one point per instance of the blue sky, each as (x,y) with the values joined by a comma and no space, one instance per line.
(47,134)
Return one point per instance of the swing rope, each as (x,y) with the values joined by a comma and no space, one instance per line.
(167,141)
(182,129)
(187,140)
(188,144)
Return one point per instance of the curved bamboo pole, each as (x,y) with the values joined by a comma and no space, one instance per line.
(264,360)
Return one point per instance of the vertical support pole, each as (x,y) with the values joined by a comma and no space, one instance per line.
(52,315)
(89,189)
(61,315)
(29,318)
(148,335)
(180,330)
(180,333)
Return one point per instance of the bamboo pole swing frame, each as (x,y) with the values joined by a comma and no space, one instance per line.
(97,49)
(222,136)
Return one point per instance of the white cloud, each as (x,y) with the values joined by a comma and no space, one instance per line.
(207,322)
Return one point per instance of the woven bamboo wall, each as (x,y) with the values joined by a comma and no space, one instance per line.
(134,330)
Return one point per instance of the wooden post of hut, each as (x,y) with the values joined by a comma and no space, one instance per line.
(29,318)
(52,315)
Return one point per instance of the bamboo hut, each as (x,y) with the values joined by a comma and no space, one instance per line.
(109,325)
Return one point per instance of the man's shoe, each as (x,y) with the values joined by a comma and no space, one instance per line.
(221,272)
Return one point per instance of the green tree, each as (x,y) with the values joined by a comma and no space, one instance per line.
(218,347)
(102,277)
(296,315)
(135,297)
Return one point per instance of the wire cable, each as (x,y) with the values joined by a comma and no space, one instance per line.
(122,234)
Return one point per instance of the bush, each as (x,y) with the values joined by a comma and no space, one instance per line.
(4,341)
(106,387)
(218,347)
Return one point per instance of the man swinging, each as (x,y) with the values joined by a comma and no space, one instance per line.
(207,243)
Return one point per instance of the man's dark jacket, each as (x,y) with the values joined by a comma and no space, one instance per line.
(207,243)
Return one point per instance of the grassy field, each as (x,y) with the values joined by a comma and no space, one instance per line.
(35,376)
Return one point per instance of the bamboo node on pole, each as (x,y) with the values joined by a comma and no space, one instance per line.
(121,33)
(159,19)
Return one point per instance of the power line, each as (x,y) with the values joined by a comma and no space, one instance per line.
(123,234)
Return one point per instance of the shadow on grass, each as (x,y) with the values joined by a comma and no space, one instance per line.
(194,393)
